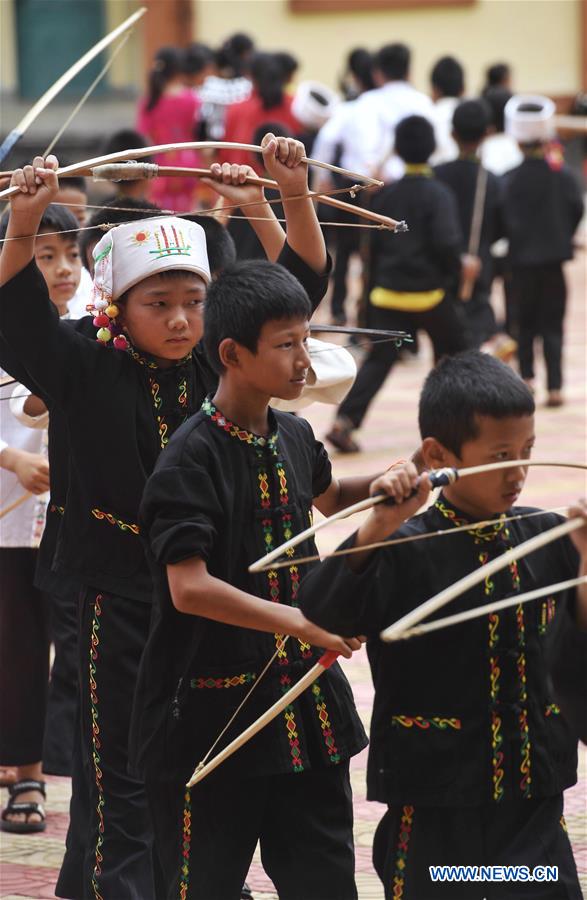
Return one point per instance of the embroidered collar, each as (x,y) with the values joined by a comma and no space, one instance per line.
(469,157)
(419,169)
(235,431)
(145,359)
(485,533)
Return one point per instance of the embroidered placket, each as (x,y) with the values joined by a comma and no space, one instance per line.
(498,530)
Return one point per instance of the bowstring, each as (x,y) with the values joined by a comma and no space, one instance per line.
(390,542)
(214,212)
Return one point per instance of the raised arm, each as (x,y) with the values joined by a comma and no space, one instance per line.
(282,158)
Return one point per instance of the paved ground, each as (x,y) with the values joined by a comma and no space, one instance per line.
(30,864)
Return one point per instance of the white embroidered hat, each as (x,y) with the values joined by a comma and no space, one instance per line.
(313,104)
(529,118)
(330,377)
(131,252)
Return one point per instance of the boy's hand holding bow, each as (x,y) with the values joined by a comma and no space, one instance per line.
(38,188)
(408,490)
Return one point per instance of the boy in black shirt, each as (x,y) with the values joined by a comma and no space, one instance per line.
(121,406)
(469,127)
(235,481)
(542,206)
(468,748)
(413,278)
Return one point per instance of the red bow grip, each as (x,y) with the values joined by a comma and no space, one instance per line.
(328,658)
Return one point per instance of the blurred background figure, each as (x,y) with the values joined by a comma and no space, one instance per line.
(128,139)
(447,81)
(332,145)
(498,75)
(269,101)
(169,114)
(230,83)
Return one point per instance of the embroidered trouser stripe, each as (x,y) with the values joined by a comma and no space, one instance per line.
(401,853)
(96,746)
(186,839)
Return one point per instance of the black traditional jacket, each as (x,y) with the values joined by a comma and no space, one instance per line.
(119,410)
(464,715)
(228,496)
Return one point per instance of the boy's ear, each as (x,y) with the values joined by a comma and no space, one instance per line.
(228,351)
(435,455)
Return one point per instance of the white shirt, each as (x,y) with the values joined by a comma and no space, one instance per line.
(23,526)
(446,147)
(77,305)
(500,153)
(371,128)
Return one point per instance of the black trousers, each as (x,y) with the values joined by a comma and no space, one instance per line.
(24,658)
(63,684)
(304,824)
(541,297)
(447,331)
(347,242)
(110,835)
(479,317)
(527,833)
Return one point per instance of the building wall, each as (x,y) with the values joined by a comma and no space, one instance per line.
(127,69)
(541,38)
(8,70)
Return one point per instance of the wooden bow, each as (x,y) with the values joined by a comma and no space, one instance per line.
(398,629)
(489,608)
(25,123)
(325,661)
(99,163)
(437,478)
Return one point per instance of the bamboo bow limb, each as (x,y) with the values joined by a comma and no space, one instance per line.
(140,152)
(397,629)
(325,661)
(488,608)
(19,130)
(438,478)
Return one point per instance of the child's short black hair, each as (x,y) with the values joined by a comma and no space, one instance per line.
(244,298)
(220,244)
(125,139)
(448,77)
(108,214)
(470,120)
(497,75)
(55,218)
(414,140)
(466,386)
(496,99)
(393,61)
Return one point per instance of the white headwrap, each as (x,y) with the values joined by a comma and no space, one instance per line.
(313,104)
(132,252)
(330,377)
(527,126)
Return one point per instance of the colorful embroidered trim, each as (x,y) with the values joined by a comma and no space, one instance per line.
(526,780)
(228,682)
(421,722)
(401,853)
(563,824)
(496,735)
(186,840)
(484,535)
(552,710)
(96,745)
(112,520)
(157,403)
(325,725)
(60,510)
(236,431)
(547,613)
